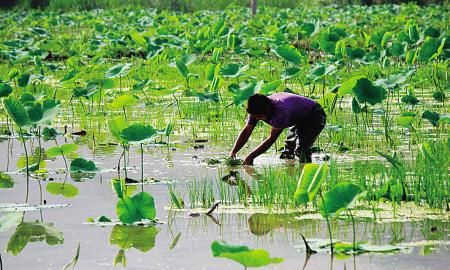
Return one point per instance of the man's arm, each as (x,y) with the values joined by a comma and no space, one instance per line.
(242,139)
(264,146)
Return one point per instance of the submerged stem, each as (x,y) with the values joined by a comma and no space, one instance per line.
(27,165)
(354,229)
(328,223)
(142,168)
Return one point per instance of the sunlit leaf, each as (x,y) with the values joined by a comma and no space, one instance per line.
(340,198)
(289,53)
(16,111)
(310,182)
(65,189)
(132,209)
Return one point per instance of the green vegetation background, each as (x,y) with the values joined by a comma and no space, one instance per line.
(190,5)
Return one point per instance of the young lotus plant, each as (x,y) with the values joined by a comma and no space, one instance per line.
(27,112)
(133,134)
(339,199)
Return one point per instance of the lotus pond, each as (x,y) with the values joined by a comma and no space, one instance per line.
(116,126)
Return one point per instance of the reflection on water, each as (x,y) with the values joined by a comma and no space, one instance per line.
(126,237)
(29,232)
(183,241)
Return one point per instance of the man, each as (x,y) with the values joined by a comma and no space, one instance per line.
(304,117)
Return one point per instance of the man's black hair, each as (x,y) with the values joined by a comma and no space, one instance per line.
(259,104)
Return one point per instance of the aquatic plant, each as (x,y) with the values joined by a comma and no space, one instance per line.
(242,254)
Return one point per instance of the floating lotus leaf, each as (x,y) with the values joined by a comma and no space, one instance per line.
(242,254)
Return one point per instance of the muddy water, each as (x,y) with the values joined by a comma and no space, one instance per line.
(426,241)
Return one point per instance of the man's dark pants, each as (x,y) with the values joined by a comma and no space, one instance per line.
(301,137)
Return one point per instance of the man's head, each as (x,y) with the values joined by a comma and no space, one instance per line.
(259,106)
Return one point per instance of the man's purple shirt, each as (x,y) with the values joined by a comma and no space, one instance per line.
(289,110)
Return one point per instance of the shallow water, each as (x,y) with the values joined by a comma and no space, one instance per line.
(426,241)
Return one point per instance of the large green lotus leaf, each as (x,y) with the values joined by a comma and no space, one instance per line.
(289,53)
(42,113)
(340,49)
(395,80)
(140,238)
(347,87)
(24,79)
(268,88)
(106,83)
(70,75)
(242,254)
(397,49)
(246,90)
(430,49)
(53,152)
(316,72)
(411,56)
(211,71)
(16,111)
(82,165)
(433,117)
(27,98)
(35,161)
(35,112)
(122,101)
(138,39)
(116,125)
(365,91)
(50,107)
(65,189)
(307,29)
(405,121)
(327,42)
(138,133)
(5,90)
(328,100)
(118,70)
(340,198)
(290,72)
(6,180)
(310,182)
(410,99)
(86,92)
(232,70)
(188,59)
(355,53)
(140,206)
(320,70)
(33,232)
(118,185)
(182,68)
(126,210)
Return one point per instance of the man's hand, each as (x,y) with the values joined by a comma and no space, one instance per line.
(232,155)
(248,160)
